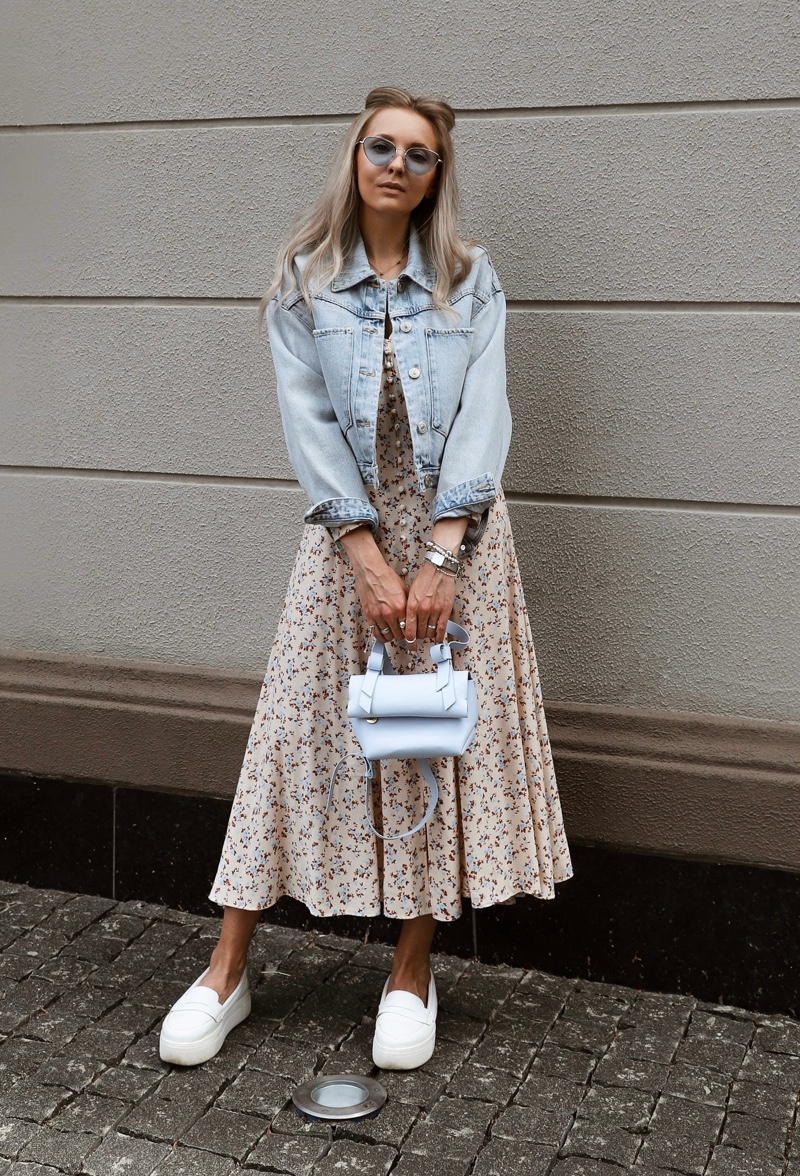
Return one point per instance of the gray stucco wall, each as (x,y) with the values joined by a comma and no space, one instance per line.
(633,168)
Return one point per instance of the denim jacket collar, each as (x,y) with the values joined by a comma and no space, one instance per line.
(418,267)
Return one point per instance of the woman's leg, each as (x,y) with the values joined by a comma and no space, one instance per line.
(412,958)
(229,957)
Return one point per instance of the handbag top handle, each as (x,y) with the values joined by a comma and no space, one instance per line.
(442,654)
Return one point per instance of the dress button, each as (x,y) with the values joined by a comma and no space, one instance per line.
(414,373)
(422,427)
(405,327)
(404,570)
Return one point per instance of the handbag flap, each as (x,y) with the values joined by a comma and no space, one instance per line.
(417,696)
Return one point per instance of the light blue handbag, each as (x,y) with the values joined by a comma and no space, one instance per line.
(411,716)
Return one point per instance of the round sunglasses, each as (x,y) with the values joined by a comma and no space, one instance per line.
(381,152)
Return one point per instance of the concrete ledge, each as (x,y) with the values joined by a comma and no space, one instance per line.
(689,785)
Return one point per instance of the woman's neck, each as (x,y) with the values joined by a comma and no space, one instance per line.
(385,239)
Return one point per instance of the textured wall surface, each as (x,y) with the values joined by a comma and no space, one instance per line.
(633,167)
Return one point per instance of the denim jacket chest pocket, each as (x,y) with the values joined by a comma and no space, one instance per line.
(448,352)
(335,348)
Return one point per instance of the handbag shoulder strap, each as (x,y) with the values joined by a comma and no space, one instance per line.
(433,797)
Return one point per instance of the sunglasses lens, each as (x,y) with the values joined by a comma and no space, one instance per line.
(419,160)
(379,151)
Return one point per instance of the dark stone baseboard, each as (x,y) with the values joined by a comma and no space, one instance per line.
(676,784)
(725,933)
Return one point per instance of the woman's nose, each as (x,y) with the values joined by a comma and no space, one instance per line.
(399,162)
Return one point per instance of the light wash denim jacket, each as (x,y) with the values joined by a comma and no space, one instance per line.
(328,363)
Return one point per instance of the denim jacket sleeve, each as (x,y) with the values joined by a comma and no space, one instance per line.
(321,457)
(474,456)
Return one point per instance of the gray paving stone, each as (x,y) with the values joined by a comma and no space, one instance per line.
(471,1081)
(289,1122)
(681,1135)
(32,1169)
(227,1133)
(481,991)
(391,1126)
(549,1093)
(616,1070)
(502,1053)
(581,1166)
(31,1100)
(447,1057)
(67,1152)
(698,1085)
(74,1072)
(713,1053)
(766,1137)
(14,1134)
(257,1094)
(90,1113)
(621,1106)
(188,1161)
(287,1058)
(71,918)
(413,1086)
(564,1063)
(766,1102)
(379,957)
(723,1028)
(283,1153)
(779,1035)
(459,1028)
(771,1069)
(647,1045)
(534,1124)
(23,1000)
(593,1037)
(161,1118)
(452,1128)
(730,1161)
(21,1057)
(119,1154)
(360,1158)
(314,964)
(129,1083)
(502,1157)
(596,1140)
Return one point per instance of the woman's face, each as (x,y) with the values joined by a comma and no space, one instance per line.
(391,187)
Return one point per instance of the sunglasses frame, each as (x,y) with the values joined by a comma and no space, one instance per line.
(382,139)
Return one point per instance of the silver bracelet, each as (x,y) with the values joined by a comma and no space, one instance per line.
(445,563)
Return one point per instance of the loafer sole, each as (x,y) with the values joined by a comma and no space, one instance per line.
(404,1057)
(192,1053)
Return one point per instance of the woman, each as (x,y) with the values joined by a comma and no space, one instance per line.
(387,333)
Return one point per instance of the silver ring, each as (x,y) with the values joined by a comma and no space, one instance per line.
(402,624)
(385,630)
(431,626)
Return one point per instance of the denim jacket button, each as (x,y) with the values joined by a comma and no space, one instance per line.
(422,427)
(405,327)
(415,373)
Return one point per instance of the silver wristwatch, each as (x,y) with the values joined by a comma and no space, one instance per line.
(448,562)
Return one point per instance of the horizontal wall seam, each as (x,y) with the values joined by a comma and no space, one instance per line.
(598,110)
(704,767)
(515,305)
(208,714)
(605,502)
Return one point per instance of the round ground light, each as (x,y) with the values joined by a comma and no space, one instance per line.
(337,1097)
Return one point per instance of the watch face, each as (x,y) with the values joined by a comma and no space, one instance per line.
(437,558)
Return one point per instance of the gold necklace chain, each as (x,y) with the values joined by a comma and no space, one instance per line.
(399,261)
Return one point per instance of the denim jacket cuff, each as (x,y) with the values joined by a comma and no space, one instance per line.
(471,498)
(333,512)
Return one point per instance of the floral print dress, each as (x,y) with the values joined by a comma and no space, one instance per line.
(497,831)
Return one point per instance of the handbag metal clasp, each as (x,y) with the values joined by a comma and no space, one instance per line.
(372,720)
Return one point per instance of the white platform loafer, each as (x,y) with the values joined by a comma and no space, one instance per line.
(196,1026)
(405,1029)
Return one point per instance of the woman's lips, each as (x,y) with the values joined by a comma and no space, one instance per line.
(390,187)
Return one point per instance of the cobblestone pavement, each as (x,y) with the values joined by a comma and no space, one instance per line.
(532,1074)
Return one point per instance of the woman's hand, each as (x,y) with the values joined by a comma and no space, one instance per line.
(381,591)
(429,604)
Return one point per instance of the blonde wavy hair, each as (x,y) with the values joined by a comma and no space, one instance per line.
(327,233)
